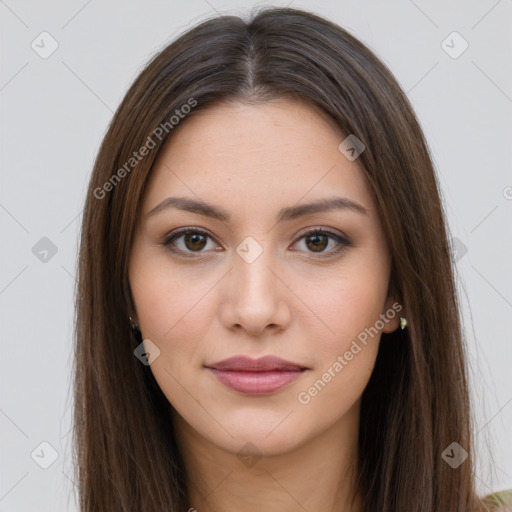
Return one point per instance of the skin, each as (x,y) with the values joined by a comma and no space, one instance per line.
(303,305)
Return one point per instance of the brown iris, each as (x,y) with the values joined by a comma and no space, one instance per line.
(195,241)
(318,242)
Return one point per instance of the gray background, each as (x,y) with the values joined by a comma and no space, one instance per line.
(56,110)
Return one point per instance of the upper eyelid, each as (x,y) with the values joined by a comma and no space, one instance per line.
(184,231)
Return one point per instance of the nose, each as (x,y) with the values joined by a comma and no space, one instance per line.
(255,298)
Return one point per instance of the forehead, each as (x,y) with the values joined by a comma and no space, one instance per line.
(275,152)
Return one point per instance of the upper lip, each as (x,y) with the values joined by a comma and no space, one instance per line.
(262,364)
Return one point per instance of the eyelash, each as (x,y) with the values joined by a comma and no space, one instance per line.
(343,242)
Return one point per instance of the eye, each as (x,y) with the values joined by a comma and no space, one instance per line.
(317,240)
(188,241)
(194,241)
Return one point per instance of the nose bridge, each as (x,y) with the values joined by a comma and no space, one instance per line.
(255,295)
(251,272)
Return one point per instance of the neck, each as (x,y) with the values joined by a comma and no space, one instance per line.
(318,475)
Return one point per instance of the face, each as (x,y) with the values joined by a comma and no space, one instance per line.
(259,274)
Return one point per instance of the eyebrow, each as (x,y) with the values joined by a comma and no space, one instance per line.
(286,214)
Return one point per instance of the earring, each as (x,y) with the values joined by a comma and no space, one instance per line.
(136,334)
(403,323)
(135,326)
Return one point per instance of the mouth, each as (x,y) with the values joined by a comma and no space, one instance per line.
(261,376)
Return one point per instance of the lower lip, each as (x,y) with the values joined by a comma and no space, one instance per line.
(256,383)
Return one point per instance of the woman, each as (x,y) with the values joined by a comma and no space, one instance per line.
(266,310)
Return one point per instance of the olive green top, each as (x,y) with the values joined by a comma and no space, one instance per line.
(499,501)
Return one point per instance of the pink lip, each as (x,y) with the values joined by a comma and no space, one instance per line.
(256,376)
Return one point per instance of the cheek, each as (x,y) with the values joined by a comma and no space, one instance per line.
(345,354)
(350,302)
(169,304)
(172,313)
(344,361)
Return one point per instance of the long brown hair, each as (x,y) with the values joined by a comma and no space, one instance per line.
(416,403)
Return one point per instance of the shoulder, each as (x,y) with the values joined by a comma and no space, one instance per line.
(499,501)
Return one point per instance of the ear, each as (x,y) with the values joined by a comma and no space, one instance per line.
(392,312)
